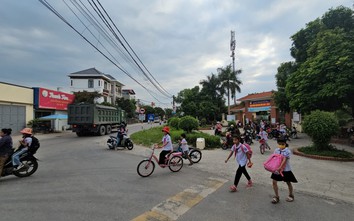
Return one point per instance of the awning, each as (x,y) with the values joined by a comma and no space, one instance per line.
(257,109)
(55,116)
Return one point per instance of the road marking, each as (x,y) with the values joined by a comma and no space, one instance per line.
(177,205)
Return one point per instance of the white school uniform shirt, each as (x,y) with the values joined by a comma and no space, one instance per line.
(286,152)
(167,139)
(184,145)
(241,157)
(263,135)
(28,141)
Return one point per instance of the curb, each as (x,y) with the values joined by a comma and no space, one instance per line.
(317,157)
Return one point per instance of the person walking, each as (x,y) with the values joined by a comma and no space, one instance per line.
(242,156)
(287,175)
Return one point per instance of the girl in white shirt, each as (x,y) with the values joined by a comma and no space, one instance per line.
(185,148)
(241,157)
(166,145)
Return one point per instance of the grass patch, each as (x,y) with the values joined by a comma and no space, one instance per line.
(154,135)
(328,153)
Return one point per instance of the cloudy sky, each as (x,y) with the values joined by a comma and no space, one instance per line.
(180,42)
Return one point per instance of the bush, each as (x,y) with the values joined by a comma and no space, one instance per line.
(188,123)
(320,126)
(203,122)
(210,141)
(173,122)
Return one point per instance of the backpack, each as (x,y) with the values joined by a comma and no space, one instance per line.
(34,145)
(273,163)
(250,152)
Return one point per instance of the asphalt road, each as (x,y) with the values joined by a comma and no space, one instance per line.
(80,179)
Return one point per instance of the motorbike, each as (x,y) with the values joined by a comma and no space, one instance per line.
(226,142)
(126,142)
(293,133)
(29,162)
(247,137)
(273,133)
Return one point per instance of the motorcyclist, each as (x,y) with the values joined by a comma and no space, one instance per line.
(218,128)
(121,131)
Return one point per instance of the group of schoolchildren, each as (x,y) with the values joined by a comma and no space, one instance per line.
(243,157)
(283,173)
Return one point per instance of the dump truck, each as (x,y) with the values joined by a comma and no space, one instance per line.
(94,118)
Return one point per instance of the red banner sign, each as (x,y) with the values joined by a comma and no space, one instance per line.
(49,99)
(263,103)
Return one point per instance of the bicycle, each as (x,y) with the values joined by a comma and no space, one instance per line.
(194,154)
(263,146)
(173,161)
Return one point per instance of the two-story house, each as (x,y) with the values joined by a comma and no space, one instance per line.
(92,80)
(128,94)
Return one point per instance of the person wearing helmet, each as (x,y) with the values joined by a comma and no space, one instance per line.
(166,145)
(5,146)
(25,143)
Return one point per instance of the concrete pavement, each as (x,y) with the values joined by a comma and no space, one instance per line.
(328,179)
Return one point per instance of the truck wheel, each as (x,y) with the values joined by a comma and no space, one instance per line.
(79,134)
(108,129)
(102,130)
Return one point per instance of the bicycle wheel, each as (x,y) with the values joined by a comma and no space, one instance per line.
(195,156)
(145,168)
(175,163)
(262,148)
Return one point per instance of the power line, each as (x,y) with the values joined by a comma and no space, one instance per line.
(83,10)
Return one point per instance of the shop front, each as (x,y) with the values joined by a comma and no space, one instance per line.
(16,106)
(50,108)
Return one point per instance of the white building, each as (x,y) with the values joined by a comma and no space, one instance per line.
(92,80)
(128,94)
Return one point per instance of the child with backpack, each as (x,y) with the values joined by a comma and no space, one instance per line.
(242,154)
(286,175)
(25,144)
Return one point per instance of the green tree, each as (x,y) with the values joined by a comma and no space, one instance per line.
(128,105)
(284,71)
(86,97)
(188,123)
(230,82)
(159,112)
(324,56)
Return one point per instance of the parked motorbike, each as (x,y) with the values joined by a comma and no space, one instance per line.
(293,133)
(126,142)
(29,162)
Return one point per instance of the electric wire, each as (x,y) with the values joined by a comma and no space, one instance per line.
(52,9)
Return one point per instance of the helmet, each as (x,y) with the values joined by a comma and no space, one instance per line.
(26,131)
(232,125)
(166,129)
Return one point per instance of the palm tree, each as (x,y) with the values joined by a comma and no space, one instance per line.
(211,87)
(230,81)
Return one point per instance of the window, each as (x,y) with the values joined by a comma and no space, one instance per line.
(90,83)
(99,82)
(71,83)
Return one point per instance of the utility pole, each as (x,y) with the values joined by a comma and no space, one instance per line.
(232,49)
